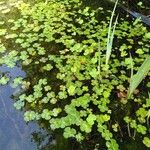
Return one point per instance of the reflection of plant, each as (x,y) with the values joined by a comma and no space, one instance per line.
(43,140)
(67,83)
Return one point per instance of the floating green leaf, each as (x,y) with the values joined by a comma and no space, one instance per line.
(71,90)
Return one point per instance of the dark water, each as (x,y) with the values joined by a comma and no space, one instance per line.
(16,134)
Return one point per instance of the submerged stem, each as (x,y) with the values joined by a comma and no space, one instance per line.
(148,120)
(129,130)
(134,134)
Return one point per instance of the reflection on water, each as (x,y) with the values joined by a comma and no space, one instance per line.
(15,134)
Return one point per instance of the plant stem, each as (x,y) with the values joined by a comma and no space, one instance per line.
(148,120)
(99,59)
(129,130)
(111,34)
(120,130)
(134,134)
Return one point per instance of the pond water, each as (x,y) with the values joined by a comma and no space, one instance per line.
(16,134)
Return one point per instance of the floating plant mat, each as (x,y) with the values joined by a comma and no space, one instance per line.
(61,45)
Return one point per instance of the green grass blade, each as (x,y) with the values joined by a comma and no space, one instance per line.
(110,35)
(111,19)
(131,66)
(139,76)
(99,57)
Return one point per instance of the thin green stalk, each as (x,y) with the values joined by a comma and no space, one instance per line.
(131,75)
(111,34)
(134,134)
(131,66)
(148,120)
(148,114)
(99,59)
(129,132)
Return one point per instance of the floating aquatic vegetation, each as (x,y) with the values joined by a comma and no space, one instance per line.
(67,85)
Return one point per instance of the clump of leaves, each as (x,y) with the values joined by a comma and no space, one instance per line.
(4,80)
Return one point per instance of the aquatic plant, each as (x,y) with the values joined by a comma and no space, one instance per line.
(62,46)
(111,35)
(138,77)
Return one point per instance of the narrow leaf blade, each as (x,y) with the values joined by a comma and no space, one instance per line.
(139,76)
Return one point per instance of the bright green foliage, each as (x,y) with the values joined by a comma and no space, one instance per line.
(17,81)
(69,132)
(115,127)
(85,127)
(19,104)
(146,141)
(90,119)
(147,35)
(46,114)
(2,48)
(62,47)
(141,129)
(71,90)
(4,80)
(48,67)
(30,115)
(10,59)
(112,145)
(3,32)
